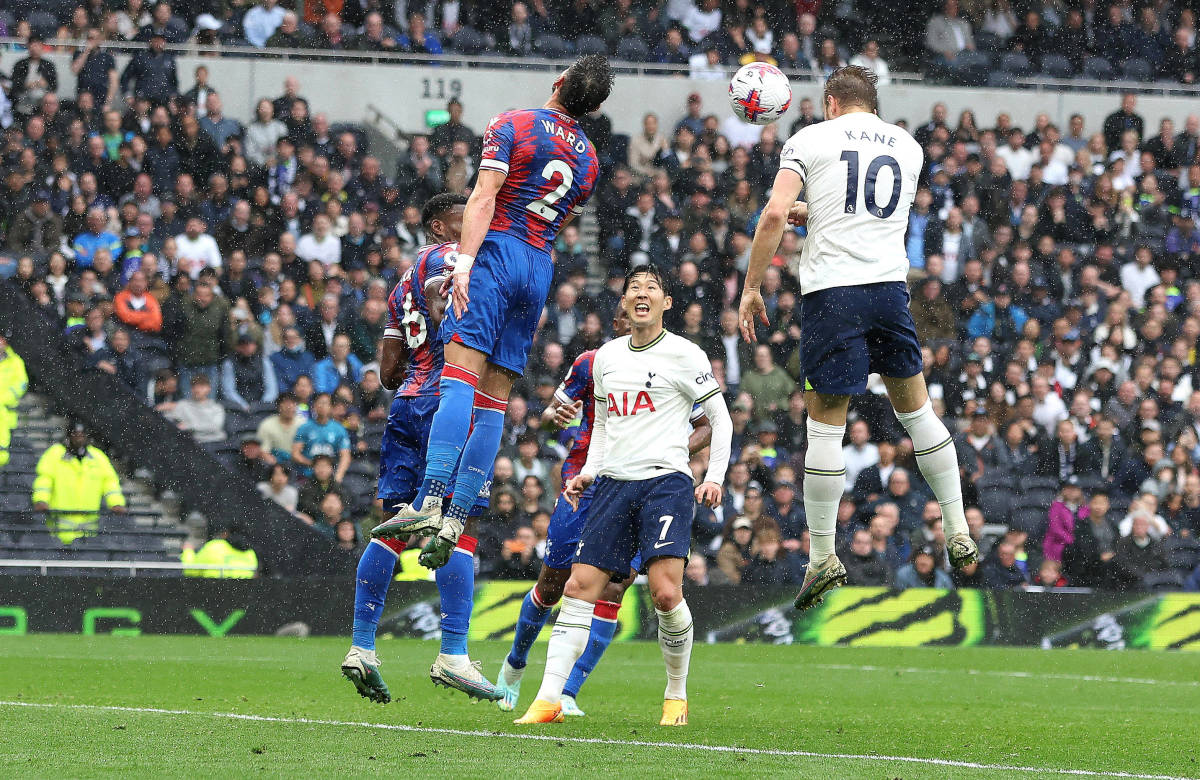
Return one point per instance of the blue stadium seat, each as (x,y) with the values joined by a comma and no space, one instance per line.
(552,46)
(468,40)
(1097,69)
(633,50)
(1057,66)
(1137,69)
(1016,63)
(1001,80)
(590,44)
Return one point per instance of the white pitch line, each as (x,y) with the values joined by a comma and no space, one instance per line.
(1004,673)
(599,741)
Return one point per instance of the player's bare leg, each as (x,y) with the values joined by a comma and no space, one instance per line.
(535,608)
(824,483)
(604,624)
(938,461)
(567,640)
(665,579)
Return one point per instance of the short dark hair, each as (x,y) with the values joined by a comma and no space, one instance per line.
(586,84)
(437,206)
(650,269)
(853,86)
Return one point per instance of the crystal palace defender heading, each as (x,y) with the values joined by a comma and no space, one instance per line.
(415,311)
(574,398)
(536,172)
(860,176)
(645,387)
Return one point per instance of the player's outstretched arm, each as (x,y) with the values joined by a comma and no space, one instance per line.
(477,218)
(767,235)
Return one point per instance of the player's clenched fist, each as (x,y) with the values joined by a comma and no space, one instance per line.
(574,489)
(798,214)
(708,494)
(455,286)
(565,413)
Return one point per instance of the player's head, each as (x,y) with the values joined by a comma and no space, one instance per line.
(620,323)
(443,216)
(585,85)
(851,88)
(644,296)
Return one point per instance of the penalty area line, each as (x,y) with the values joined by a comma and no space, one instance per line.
(732,749)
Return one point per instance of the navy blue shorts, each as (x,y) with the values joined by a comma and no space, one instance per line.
(847,333)
(402,454)
(566,526)
(650,518)
(509,285)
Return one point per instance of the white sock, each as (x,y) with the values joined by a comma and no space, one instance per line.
(568,639)
(675,641)
(824,483)
(938,461)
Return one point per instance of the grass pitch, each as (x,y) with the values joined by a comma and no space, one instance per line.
(195,706)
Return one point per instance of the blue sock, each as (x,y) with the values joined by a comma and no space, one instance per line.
(604,628)
(375,569)
(456,586)
(529,625)
(448,431)
(478,456)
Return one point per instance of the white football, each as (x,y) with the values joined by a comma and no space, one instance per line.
(759,93)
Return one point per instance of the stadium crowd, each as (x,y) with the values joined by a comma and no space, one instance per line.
(963,41)
(223,270)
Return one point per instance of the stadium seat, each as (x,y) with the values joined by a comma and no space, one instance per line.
(996,504)
(1001,80)
(633,50)
(1016,63)
(1137,69)
(986,41)
(1097,69)
(1031,520)
(1163,580)
(43,22)
(1182,553)
(590,44)
(1057,66)
(552,46)
(468,40)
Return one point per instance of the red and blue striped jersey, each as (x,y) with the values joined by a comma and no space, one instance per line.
(408,319)
(551,171)
(578,386)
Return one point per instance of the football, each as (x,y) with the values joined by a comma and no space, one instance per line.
(759,93)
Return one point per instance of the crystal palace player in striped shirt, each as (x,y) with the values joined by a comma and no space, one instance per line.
(415,311)
(536,172)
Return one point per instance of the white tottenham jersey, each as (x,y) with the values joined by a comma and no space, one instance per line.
(649,393)
(860,178)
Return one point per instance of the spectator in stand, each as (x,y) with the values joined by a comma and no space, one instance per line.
(136,308)
(322,435)
(196,249)
(418,40)
(247,376)
(277,433)
(97,237)
(768,384)
(1125,118)
(863,565)
(121,360)
(293,360)
(340,368)
(770,563)
(734,554)
(279,489)
(870,59)
(321,332)
(1066,513)
(947,34)
(859,453)
(321,244)
(261,22)
(73,480)
(519,559)
(36,228)
(252,460)
(152,74)
(1138,555)
(201,342)
(1000,570)
(199,414)
(922,572)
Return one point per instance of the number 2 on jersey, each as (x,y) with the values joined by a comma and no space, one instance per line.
(877,165)
(543,205)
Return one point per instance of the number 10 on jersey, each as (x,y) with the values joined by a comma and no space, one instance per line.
(850,157)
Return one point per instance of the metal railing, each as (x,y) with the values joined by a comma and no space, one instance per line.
(133,566)
(457,60)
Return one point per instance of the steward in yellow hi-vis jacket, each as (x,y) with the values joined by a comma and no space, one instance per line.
(228,549)
(73,479)
(13,382)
